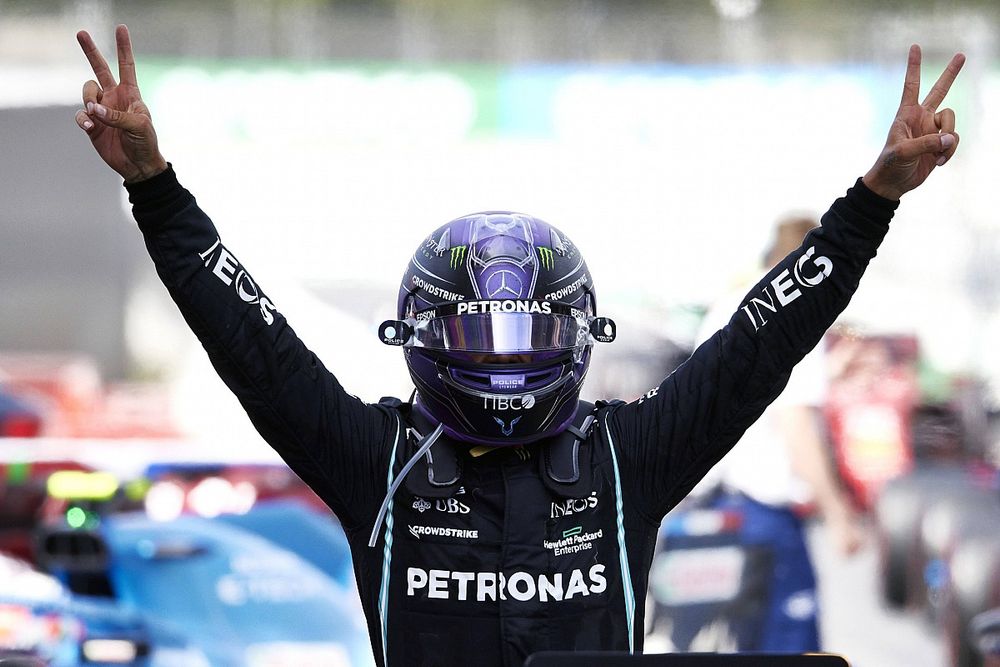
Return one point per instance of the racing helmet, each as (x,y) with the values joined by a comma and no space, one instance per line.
(497,317)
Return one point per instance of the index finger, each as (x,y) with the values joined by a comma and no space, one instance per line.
(97,61)
(911,84)
(943,84)
(126,62)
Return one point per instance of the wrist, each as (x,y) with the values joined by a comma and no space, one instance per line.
(146,171)
(886,191)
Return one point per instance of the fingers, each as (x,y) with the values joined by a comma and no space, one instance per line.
(97,61)
(125,120)
(92,93)
(929,143)
(126,61)
(83,120)
(943,84)
(911,84)
(945,120)
(946,155)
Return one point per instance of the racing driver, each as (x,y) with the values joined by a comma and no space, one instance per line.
(496,515)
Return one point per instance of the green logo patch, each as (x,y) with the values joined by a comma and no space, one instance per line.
(545,255)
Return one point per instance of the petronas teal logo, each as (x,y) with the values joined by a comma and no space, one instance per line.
(545,255)
(457,256)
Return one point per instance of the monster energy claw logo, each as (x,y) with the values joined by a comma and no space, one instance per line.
(545,254)
(457,256)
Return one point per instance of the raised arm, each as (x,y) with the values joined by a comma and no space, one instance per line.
(335,442)
(674,434)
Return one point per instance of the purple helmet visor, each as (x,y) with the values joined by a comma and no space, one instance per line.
(501,333)
(501,327)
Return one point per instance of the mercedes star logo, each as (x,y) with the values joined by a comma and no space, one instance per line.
(504,285)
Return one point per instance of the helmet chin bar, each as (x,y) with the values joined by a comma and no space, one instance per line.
(529,394)
(534,408)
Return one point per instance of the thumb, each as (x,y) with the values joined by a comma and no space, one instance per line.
(929,143)
(114,118)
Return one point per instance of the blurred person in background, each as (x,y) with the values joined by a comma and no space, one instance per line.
(789,463)
(780,467)
(529,518)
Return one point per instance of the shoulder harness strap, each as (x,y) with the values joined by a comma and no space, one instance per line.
(438,473)
(566,460)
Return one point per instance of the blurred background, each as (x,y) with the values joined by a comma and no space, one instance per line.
(326,137)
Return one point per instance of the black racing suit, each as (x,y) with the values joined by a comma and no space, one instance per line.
(485,560)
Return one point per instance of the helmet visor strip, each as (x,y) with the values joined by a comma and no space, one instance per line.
(501,327)
(500,333)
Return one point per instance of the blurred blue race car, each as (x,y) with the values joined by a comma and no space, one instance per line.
(271,586)
(316,538)
(240,598)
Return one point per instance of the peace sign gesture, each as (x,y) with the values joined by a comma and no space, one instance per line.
(114,115)
(921,137)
